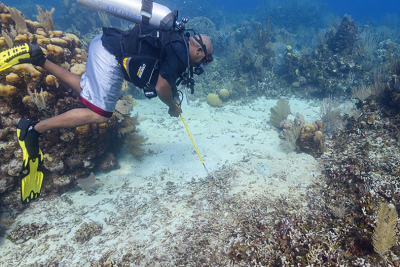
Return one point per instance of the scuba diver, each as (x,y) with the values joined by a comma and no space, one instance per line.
(152,55)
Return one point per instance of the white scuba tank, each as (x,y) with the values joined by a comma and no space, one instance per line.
(137,11)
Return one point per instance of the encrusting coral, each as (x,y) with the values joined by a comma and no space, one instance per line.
(87,231)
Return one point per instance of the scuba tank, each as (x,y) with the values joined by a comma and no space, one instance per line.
(153,15)
(137,11)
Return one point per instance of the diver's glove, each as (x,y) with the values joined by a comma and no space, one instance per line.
(37,56)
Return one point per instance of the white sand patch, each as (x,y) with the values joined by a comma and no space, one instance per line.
(147,202)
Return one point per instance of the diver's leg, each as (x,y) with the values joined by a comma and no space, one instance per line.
(70,119)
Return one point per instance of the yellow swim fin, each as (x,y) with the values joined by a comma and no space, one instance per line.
(31,173)
(11,56)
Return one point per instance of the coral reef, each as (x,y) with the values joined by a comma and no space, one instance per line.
(29,91)
(311,139)
(345,37)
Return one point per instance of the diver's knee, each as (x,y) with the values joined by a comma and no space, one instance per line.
(100,119)
(103,119)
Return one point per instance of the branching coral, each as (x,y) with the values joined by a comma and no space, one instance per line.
(45,18)
(385,231)
(39,99)
(19,20)
(133,140)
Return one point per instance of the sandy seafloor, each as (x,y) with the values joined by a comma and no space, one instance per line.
(136,208)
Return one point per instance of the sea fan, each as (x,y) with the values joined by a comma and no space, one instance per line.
(384,235)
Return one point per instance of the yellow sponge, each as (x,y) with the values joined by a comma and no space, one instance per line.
(78,69)
(27,69)
(6,90)
(12,78)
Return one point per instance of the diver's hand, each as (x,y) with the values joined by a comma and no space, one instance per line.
(37,56)
(175,111)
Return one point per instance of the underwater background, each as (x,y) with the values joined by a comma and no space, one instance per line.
(297,120)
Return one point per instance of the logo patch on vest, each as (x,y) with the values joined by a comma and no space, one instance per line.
(140,70)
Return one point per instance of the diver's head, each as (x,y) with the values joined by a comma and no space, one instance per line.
(200,50)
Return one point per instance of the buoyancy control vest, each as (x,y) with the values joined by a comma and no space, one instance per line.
(139,68)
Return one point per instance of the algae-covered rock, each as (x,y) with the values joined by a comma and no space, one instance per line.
(87,231)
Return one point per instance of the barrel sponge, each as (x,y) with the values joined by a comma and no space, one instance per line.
(213,100)
(27,69)
(223,94)
(55,50)
(6,90)
(12,78)
(59,42)
(78,69)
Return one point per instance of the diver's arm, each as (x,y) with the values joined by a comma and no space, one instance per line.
(164,92)
(69,78)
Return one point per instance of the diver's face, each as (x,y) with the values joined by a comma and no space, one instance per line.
(196,56)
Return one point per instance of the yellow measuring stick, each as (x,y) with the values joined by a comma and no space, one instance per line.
(193,143)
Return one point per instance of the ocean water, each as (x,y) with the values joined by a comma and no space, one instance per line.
(189,202)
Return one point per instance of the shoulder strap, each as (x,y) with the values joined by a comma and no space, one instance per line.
(146,12)
(170,37)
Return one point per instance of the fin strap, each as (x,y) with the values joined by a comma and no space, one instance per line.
(24,126)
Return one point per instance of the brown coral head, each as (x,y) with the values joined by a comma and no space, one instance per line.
(318,136)
(26,99)
(308,128)
(315,127)
(320,124)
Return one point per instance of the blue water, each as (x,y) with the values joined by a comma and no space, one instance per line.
(360,10)
(363,10)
